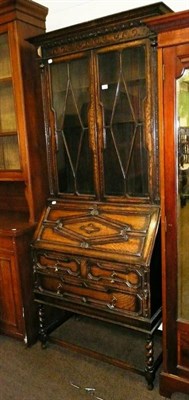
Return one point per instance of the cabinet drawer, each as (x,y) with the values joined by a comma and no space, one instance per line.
(115,301)
(95,274)
(107,286)
(114,276)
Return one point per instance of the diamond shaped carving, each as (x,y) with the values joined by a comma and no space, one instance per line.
(92,229)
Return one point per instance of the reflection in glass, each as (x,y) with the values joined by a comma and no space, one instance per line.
(183,193)
(123,93)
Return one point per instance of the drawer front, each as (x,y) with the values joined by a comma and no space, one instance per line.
(114,276)
(108,286)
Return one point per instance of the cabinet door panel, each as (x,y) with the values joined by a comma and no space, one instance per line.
(22,138)
(102,142)
(10,309)
(122,94)
(9,154)
(70,105)
(182,94)
(9,150)
(7,109)
(5,66)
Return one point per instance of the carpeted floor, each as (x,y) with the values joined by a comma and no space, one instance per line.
(60,374)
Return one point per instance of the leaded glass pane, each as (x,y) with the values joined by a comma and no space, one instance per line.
(70,102)
(122,95)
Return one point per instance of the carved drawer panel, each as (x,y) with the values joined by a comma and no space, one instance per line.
(95,274)
(63,267)
(105,299)
(112,275)
(109,286)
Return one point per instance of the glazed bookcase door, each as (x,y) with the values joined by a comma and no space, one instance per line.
(123,101)
(182,114)
(9,148)
(72,125)
(22,139)
(23,188)
(175,374)
(102,144)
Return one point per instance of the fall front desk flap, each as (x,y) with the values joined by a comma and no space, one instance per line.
(122,233)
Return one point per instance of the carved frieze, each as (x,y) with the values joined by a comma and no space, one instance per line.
(96,38)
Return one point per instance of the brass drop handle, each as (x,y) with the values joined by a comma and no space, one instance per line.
(112,304)
(113,275)
(59,287)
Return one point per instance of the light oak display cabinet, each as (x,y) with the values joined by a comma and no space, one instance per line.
(173,68)
(96,250)
(23,189)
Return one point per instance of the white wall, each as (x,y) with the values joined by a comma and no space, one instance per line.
(69,12)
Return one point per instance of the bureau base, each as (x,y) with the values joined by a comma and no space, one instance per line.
(104,341)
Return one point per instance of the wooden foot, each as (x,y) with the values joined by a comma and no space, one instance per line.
(42,330)
(149,367)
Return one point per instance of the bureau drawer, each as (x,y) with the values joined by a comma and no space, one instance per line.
(115,275)
(109,300)
(96,274)
(111,286)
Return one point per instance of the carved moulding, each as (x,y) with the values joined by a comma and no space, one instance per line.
(70,44)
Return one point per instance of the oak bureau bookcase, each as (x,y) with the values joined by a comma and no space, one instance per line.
(23,189)
(96,250)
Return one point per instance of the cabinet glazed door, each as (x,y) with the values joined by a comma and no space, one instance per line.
(101,124)
(125,104)
(173,84)
(22,141)
(75,170)
(175,212)
(182,171)
(9,150)
(175,217)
